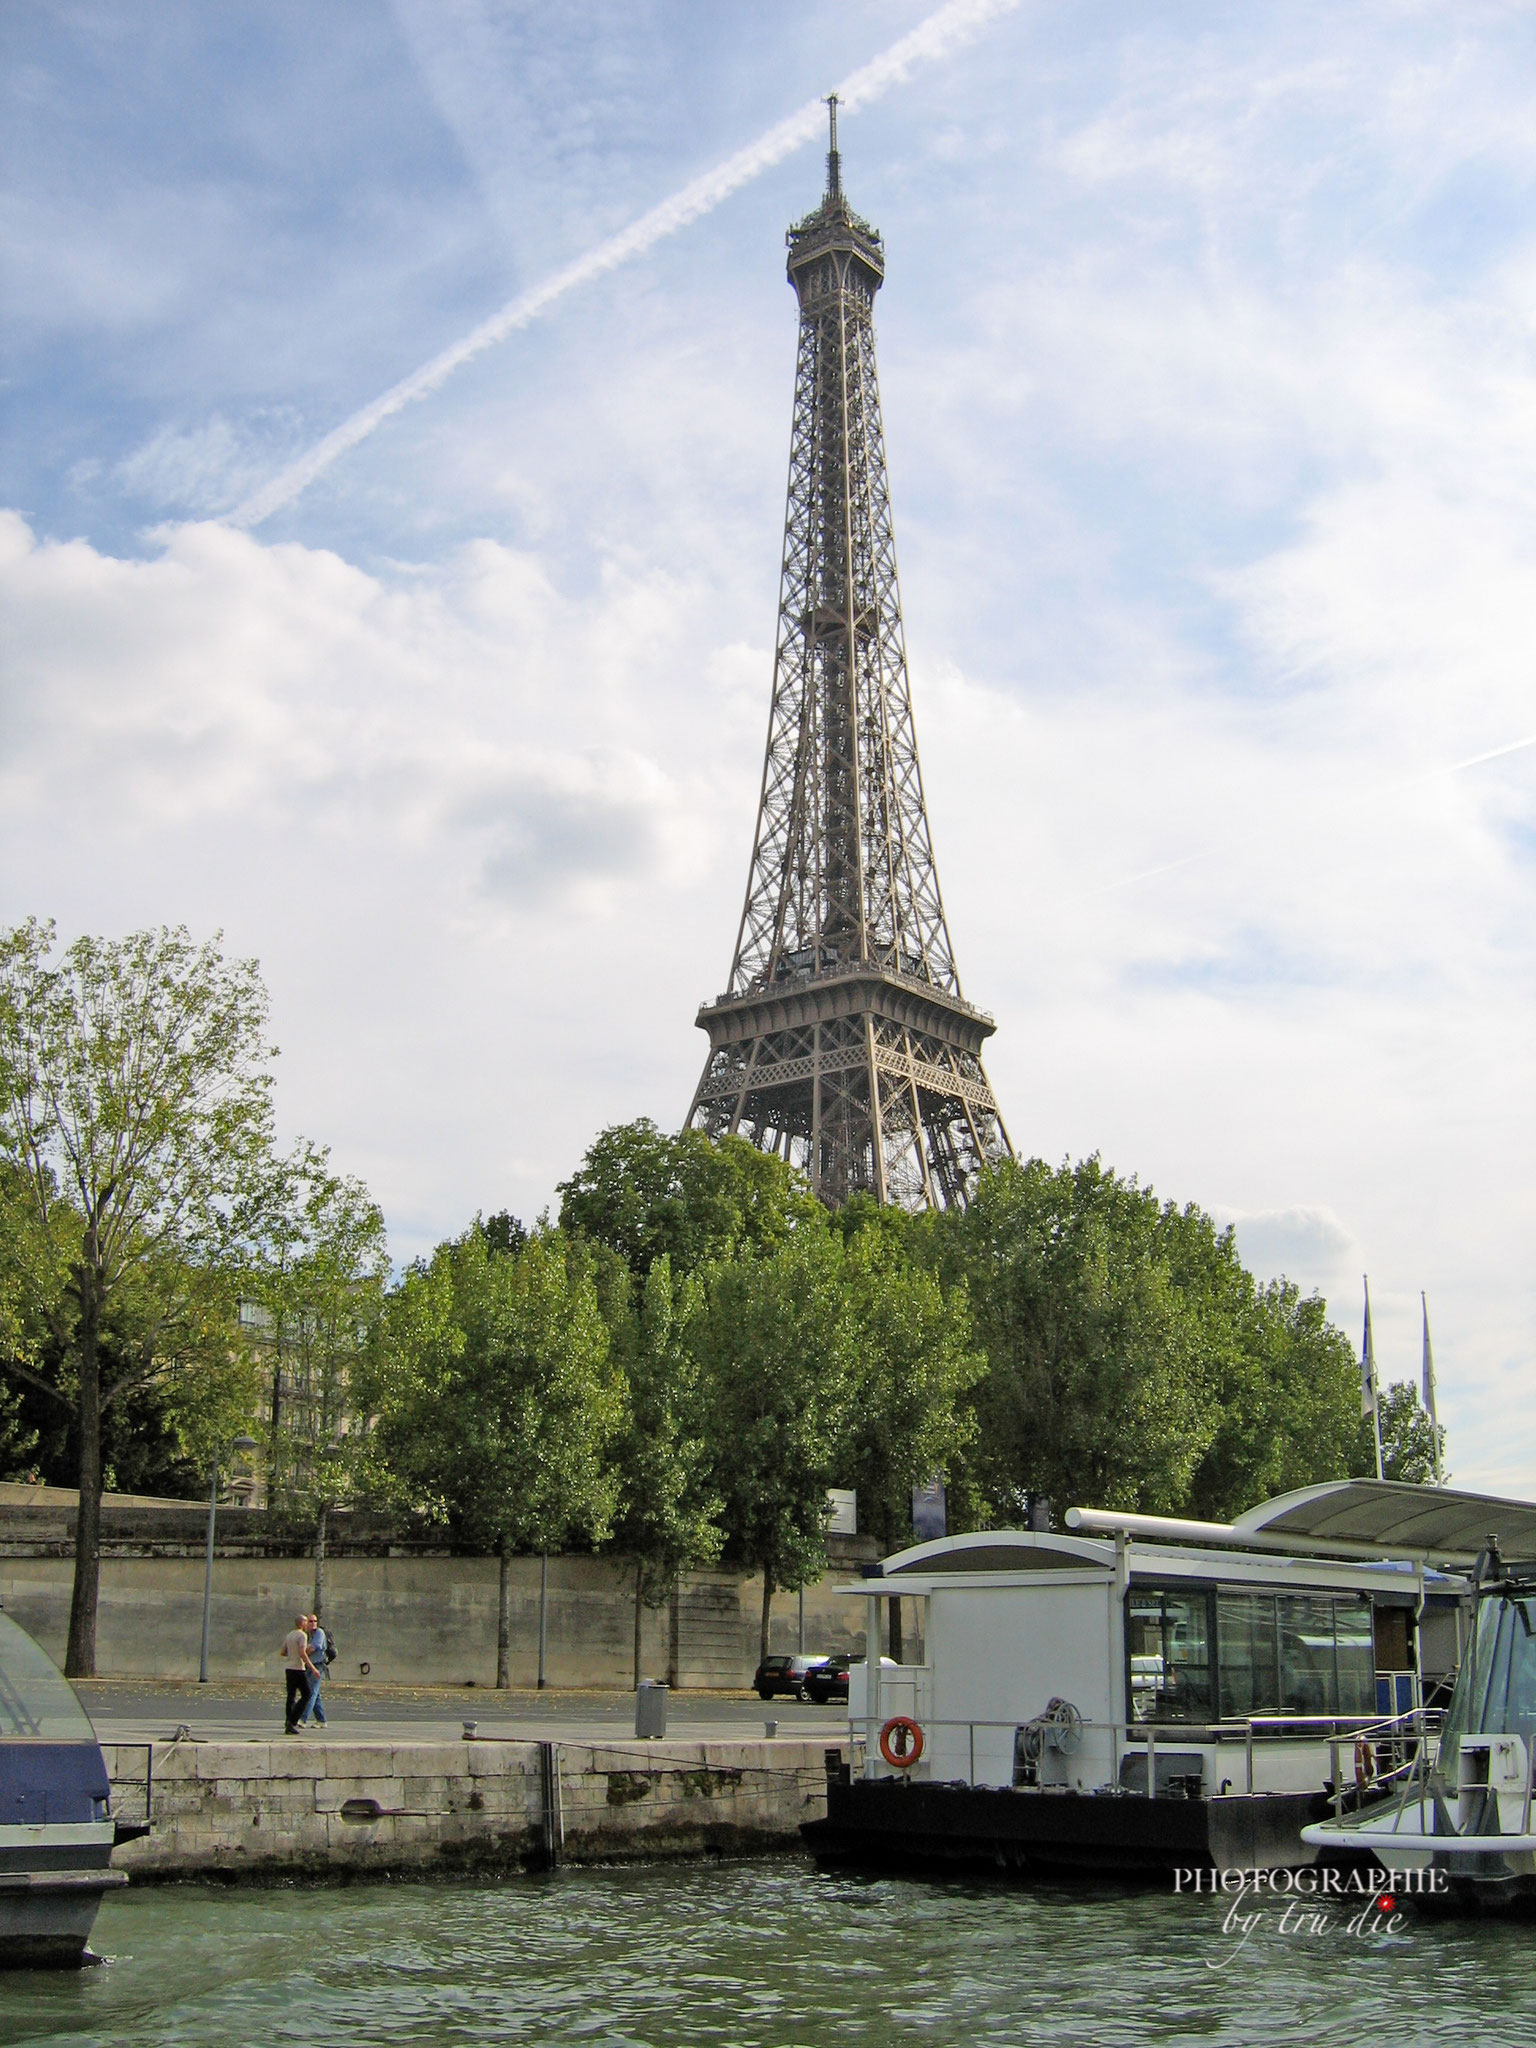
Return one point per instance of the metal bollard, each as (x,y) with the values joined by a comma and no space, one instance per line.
(650,1710)
(770,1729)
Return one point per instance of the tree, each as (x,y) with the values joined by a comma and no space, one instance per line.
(776,1348)
(496,1403)
(1132,1361)
(916,1366)
(668,1522)
(1098,1386)
(1409,1440)
(135,1113)
(315,1300)
(692,1198)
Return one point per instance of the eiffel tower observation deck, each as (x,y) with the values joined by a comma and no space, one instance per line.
(843,1043)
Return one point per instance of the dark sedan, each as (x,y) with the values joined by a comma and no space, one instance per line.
(785,1674)
(829,1681)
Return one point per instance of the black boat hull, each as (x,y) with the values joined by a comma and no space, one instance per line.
(891,1823)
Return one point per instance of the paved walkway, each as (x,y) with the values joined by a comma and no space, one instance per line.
(249,1710)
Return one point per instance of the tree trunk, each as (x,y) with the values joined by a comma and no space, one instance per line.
(896,1656)
(762,1640)
(80,1657)
(674,1633)
(320,1522)
(639,1614)
(504,1619)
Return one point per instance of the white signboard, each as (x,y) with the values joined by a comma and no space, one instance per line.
(843,1511)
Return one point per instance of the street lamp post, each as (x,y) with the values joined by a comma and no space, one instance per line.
(241,1445)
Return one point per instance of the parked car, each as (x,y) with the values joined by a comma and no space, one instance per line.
(785,1674)
(829,1681)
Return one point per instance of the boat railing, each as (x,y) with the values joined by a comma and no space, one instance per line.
(1398,1741)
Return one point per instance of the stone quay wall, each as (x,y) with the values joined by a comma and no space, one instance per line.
(403,1611)
(268,1811)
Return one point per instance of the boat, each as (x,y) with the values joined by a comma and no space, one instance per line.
(1461,1822)
(1140,1693)
(57,1830)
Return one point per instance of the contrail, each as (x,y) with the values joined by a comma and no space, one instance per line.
(1493,754)
(942,32)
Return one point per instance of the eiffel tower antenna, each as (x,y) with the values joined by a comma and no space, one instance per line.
(843,1043)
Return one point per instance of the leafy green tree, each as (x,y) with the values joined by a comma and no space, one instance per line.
(916,1365)
(1099,1383)
(504,1232)
(496,1402)
(669,1519)
(645,1194)
(1132,1360)
(1287,1393)
(135,1115)
(776,1348)
(1408,1438)
(314,1303)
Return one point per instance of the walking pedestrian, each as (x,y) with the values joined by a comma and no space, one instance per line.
(319,1657)
(297,1667)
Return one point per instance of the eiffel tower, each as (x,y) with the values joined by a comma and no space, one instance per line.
(843,1042)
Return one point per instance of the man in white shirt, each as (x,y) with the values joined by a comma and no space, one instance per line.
(297,1667)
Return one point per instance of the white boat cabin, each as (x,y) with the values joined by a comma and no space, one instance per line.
(1112,1662)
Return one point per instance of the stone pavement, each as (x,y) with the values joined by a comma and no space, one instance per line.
(246,1710)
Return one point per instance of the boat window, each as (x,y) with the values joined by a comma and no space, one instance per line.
(35,1697)
(1294,1653)
(1354,1639)
(1168,1646)
(1495,1692)
(1247,1632)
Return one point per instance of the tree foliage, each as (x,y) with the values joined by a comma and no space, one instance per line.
(496,1404)
(776,1350)
(315,1300)
(135,1125)
(1132,1361)
(668,1519)
(645,1194)
(1409,1440)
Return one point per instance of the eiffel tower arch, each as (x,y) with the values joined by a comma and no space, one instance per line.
(843,1042)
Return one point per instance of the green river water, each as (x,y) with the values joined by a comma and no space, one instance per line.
(762,1952)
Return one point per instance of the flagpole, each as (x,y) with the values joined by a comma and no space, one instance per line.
(1369,1403)
(1429,1390)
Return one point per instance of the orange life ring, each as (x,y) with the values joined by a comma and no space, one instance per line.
(1365,1763)
(902,1758)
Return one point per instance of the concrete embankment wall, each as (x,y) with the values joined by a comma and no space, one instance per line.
(264,1811)
(411,1614)
(422,1620)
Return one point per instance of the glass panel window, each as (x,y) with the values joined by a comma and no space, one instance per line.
(35,1697)
(1308,1674)
(1248,1666)
(1167,1636)
(1355,1646)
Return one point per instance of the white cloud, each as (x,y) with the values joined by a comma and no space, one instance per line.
(1207,371)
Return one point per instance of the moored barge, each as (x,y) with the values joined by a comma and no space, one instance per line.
(1138,1695)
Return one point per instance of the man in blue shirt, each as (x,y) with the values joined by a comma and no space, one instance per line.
(319,1658)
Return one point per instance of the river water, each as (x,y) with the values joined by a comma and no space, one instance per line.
(762,1952)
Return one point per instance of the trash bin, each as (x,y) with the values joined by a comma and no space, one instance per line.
(650,1710)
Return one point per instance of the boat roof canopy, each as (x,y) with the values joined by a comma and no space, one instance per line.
(1400,1517)
(1350,1517)
(999,1550)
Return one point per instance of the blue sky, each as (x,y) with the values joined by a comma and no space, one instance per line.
(1208,355)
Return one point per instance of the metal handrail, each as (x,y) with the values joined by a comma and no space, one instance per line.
(1418,1725)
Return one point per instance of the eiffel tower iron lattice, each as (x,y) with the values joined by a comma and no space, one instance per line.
(843,1042)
